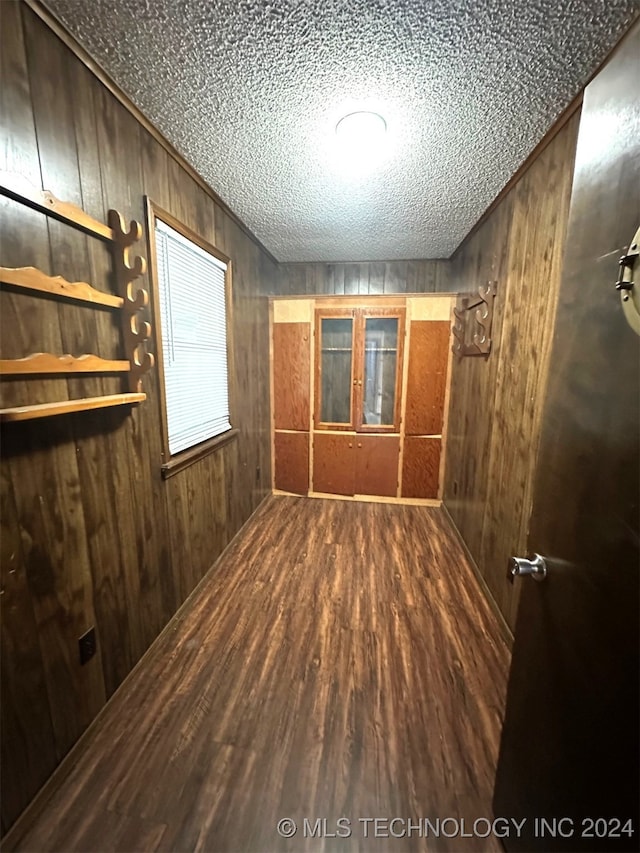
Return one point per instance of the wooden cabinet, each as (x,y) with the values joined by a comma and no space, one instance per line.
(359,392)
(347,464)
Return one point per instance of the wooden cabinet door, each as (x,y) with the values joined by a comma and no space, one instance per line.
(427,377)
(377,459)
(334,463)
(291,375)
(358,371)
(291,464)
(335,383)
(420,467)
(378,369)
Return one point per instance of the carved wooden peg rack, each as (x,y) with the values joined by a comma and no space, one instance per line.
(135,331)
(473,321)
(130,300)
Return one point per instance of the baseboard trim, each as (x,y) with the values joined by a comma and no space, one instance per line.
(368,499)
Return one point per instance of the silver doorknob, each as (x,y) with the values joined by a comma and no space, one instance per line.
(535,567)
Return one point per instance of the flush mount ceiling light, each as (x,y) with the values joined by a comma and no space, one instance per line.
(361,127)
(361,142)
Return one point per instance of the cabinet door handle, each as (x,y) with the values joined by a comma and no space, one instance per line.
(359,444)
(350,444)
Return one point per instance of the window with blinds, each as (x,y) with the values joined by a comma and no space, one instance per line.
(191,285)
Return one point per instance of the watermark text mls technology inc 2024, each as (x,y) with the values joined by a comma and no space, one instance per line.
(451,827)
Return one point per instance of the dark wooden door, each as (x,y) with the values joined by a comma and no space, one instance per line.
(570,739)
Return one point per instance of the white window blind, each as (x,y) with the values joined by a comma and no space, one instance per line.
(194,339)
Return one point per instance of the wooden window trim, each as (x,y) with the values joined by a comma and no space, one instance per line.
(182,460)
(172,464)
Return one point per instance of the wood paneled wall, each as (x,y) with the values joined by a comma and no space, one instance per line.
(91,533)
(496,402)
(374,277)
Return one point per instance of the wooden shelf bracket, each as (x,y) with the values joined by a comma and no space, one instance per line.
(473,322)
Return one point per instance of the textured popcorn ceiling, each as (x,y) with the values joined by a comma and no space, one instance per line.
(249,91)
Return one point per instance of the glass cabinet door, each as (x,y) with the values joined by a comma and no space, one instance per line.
(336,368)
(358,369)
(380,368)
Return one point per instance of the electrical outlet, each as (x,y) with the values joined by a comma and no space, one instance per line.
(87,645)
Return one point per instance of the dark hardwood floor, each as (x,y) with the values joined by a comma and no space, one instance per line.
(339,661)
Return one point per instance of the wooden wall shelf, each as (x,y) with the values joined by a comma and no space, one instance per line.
(30,278)
(44,410)
(130,301)
(44,362)
(22,190)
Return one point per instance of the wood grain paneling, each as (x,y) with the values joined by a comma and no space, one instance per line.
(420,467)
(340,661)
(291,463)
(334,463)
(495,405)
(427,377)
(26,729)
(94,535)
(375,277)
(291,375)
(377,459)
